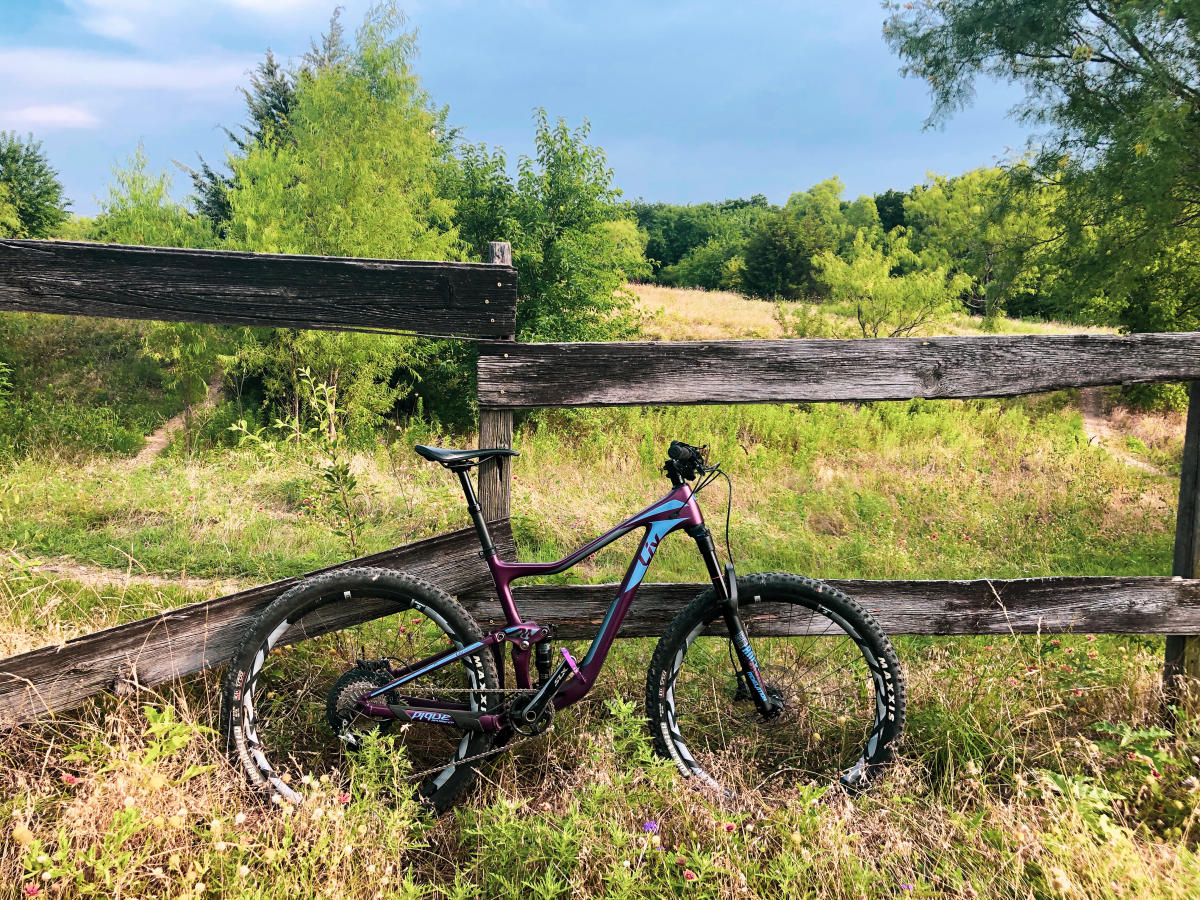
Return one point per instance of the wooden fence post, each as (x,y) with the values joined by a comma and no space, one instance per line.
(496,430)
(1181,670)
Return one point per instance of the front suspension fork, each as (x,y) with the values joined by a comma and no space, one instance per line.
(726,585)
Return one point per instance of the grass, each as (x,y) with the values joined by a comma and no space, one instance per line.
(1033,766)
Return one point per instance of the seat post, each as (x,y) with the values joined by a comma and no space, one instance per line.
(485,539)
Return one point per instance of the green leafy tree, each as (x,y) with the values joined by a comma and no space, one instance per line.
(890,207)
(699,245)
(573,241)
(887,304)
(996,231)
(1115,84)
(779,255)
(29,189)
(358,172)
(139,210)
(10,222)
(350,161)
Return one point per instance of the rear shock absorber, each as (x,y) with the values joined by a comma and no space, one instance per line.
(541,659)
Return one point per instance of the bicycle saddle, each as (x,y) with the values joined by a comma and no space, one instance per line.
(450,458)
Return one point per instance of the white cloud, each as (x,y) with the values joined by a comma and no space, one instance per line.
(148,23)
(38,68)
(47,118)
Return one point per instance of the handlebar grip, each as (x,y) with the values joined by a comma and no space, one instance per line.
(683,453)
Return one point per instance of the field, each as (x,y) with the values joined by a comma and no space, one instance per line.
(1033,767)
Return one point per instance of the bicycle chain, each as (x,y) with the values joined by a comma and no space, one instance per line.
(493,750)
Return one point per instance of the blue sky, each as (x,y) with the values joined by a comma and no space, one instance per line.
(692,101)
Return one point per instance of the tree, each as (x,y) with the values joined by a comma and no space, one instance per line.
(996,231)
(573,241)
(10,222)
(1116,83)
(887,304)
(269,100)
(890,207)
(139,210)
(359,170)
(779,254)
(29,188)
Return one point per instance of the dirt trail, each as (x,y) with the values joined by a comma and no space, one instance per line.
(157,442)
(99,577)
(1098,431)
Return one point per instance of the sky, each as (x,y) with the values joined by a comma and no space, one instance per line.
(692,101)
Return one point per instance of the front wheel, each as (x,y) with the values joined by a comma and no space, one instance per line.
(818,651)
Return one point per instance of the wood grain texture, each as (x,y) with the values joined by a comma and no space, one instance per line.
(1128,605)
(1182,656)
(495,475)
(185,640)
(792,371)
(469,299)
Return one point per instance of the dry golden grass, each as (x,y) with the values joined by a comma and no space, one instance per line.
(688,314)
(683,314)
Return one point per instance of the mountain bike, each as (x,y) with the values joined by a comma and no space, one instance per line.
(760,680)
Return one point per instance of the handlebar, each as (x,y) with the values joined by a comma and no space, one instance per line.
(685,462)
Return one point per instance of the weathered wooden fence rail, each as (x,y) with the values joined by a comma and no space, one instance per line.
(479,300)
(194,637)
(525,376)
(258,289)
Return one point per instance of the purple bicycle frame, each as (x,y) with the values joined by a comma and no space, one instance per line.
(676,510)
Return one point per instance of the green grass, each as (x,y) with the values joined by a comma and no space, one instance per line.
(1033,765)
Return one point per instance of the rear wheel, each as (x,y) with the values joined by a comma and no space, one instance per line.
(289,702)
(818,651)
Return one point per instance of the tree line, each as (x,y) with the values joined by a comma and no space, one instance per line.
(344,153)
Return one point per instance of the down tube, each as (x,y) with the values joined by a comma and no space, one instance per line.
(593,662)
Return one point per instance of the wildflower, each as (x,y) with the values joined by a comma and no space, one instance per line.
(343,797)
(220,846)
(689,875)
(1077,692)
(130,803)
(730,827)
(199,887)
(239,818)
(1091,637)
(32,890)
(1092,654)
(243,871)
(68,778)
(906,887)
(650,827)
(1055,643)
(22,835)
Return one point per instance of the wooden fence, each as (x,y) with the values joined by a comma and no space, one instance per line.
(479,301)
